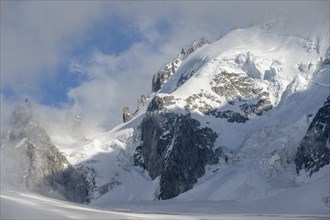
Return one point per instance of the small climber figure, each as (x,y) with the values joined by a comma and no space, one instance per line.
(26,100)
(226,159)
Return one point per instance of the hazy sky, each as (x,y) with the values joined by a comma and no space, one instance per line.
(93,57)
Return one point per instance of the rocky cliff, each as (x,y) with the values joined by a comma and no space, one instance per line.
(30,161)
(314,150)
(176,149)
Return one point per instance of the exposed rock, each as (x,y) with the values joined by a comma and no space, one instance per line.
(197,44)
(238,88)
(229,115)
(166,71)
(160,103)
(164,74)
(256,109)
(142,102)
(30,161)
(161,78)
(175,148)
(200,102)
(314,150)
(326,60)
(233,86)
(138,159)
(126,114)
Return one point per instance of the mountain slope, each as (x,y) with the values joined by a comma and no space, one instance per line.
(241,90)
(224,122)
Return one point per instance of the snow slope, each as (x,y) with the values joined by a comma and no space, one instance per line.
(32,206)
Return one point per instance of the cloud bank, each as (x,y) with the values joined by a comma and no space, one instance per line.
(41,41)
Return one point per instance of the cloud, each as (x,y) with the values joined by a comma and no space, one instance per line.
(35,40)
(35,37)
(115,81)
(38,37)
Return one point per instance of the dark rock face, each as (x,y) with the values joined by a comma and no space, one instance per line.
(163,75)
(197,44)
(160,103)
(175,148)
(30,161)
(166,71)
(229,115)
(314,150)
(326,60)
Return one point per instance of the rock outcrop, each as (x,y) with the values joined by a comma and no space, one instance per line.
(167,70)
(126,114)
(176,149)
(314,150)
(164,74)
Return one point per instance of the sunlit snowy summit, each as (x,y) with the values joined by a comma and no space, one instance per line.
(245,118)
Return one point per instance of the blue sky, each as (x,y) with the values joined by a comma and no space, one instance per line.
(92,57)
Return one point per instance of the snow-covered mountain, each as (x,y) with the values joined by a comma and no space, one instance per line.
(243,118)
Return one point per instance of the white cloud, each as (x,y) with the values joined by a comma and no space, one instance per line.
(36,36)
(116,81)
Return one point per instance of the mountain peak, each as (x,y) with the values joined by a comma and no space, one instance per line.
(30,161)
